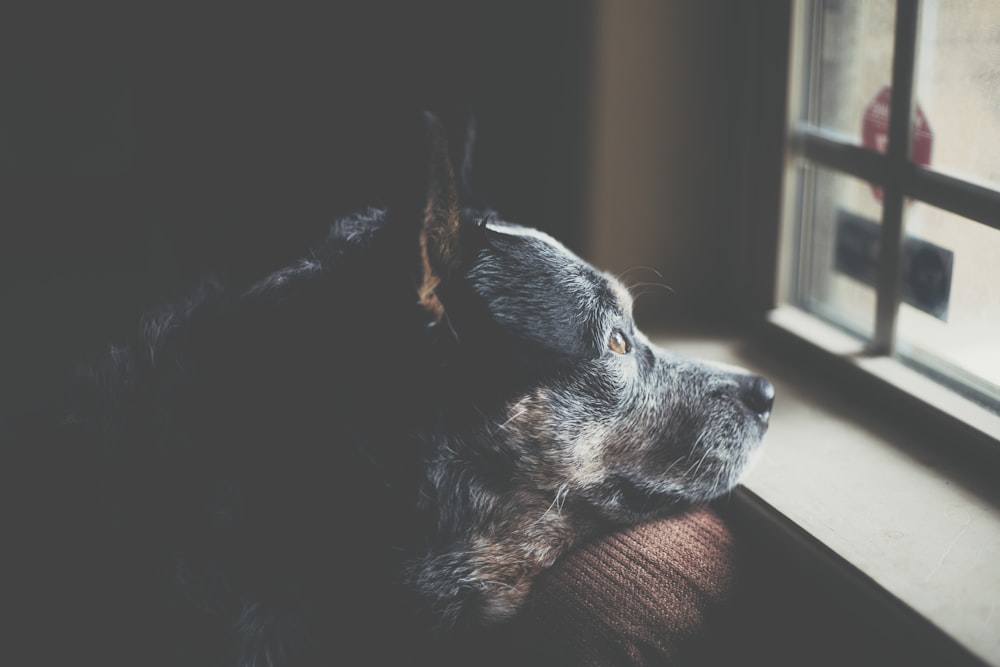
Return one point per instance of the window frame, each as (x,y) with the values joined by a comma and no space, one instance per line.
(919,394)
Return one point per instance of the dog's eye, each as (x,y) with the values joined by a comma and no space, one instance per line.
(617,343)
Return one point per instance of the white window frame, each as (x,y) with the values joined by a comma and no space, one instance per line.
(900,180)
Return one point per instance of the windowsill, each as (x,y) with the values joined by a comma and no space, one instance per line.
(919,527)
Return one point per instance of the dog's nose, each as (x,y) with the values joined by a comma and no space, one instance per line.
(757,394)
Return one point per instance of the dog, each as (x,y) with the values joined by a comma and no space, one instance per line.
(389,438)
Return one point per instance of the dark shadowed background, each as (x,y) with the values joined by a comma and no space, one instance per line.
(140,153)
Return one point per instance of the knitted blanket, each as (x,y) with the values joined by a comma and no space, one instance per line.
(652,594)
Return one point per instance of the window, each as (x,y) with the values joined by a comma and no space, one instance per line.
(891,227)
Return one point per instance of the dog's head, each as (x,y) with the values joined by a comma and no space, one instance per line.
(572,401)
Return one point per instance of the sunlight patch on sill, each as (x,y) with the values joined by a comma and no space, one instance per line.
(887,369)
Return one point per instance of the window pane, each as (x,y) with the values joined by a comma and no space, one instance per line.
(958,81)
(854,63)
(838,248)
(961,340)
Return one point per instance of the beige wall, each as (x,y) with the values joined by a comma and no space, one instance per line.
(662,145)
(637,72)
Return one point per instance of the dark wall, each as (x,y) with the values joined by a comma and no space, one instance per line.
(139,153)
(687,155)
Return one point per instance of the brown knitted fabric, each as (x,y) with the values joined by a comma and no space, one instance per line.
(647,595)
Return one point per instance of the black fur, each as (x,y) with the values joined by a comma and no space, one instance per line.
(360,458)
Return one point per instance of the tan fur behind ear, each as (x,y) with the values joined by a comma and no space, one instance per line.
(439,238)
(426,290)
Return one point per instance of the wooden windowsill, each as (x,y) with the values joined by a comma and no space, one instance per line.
(875,494)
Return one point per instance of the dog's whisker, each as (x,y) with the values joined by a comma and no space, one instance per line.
(672,466)
(660,285)
(694,447)
(495,583)
(560,498)
(504,425)
(692,469)
(624,273)
(700,461)
(557,502)
(548,509)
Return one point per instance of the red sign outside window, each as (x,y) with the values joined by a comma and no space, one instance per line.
(875,131)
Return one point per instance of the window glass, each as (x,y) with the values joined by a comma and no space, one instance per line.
(854,63)
(952,323)
(838,246)
(958,83)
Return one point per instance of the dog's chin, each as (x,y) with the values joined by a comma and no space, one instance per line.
(626,500)
(642,503)
(623,500)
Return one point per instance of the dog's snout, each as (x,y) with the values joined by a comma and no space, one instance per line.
(757,394)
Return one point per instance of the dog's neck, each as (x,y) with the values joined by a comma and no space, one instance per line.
(483,573)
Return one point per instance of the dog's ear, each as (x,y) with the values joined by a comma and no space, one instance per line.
(461,125)
(423,217)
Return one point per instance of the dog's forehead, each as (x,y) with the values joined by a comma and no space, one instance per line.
(540,290)
(530,232)
(604,281)
(621,293)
